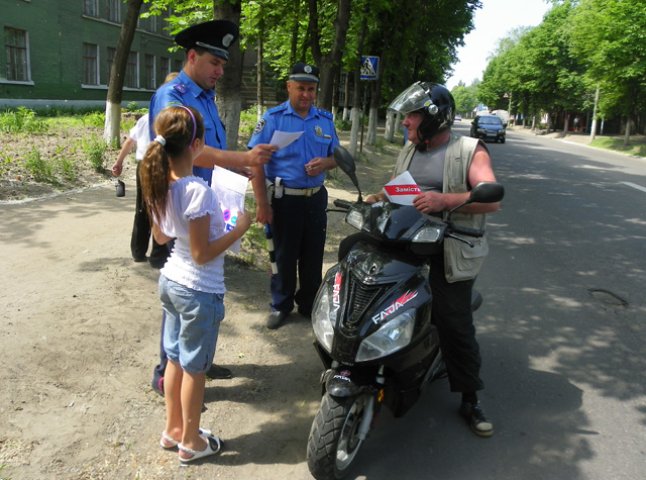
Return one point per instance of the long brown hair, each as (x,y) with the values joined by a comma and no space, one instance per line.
(176,129)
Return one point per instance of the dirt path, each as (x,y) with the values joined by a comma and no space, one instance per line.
(81,338)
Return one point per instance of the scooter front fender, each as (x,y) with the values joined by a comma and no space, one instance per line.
(339,385)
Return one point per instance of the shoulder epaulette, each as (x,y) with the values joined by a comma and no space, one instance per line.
(277,108)
(325,113)
(180,87)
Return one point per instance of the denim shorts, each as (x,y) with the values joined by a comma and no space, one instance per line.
(192,322)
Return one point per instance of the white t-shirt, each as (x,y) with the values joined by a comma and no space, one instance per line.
(141,135)
(190,198)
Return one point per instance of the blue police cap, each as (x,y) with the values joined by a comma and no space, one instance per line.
(215,37)
(302,72)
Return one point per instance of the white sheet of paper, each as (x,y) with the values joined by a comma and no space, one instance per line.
(282,139)
(230,188)
(402,189)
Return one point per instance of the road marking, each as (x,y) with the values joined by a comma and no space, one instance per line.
(634,185)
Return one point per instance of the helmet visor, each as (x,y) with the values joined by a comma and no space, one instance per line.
(411,99)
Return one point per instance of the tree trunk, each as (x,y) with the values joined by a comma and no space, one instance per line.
(593,130)
(229,86)
(111,131)
(260,74)
(329,63)
(627,134)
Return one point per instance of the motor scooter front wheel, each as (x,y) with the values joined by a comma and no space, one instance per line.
(334,440)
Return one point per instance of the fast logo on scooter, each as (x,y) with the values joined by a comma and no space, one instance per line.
(343,375)
(392,308)
(336,290)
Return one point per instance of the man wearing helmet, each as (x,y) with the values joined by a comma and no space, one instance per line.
(446,167)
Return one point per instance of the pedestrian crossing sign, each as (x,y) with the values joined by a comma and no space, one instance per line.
(369,67)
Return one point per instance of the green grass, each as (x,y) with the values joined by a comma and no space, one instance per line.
(636,146)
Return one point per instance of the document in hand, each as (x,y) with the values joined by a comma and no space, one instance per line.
(282,139)
(402,189)
(230,189)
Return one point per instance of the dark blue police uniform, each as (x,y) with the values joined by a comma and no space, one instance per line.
(299,218)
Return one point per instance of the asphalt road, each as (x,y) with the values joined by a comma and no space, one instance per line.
(562,331)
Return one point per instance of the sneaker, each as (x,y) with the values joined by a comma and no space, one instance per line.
(276,319)
(218,372)
(475,417)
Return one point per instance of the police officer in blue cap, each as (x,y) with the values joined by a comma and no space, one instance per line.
(207,52)
(292,183)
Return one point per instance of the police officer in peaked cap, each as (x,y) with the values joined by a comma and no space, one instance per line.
(207,52)
(295,219)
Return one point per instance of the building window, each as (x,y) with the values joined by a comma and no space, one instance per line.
(114,11)
(177,65)
(90,64)
(16,47)
(91,8)
(150,82)
(132,69)
(164,68)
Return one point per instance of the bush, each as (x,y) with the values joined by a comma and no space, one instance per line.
(248,121)
(21,120)
(342,125)
(38,167)
(95,149)
(94,119)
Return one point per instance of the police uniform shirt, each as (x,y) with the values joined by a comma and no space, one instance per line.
(182,90)
(319,139)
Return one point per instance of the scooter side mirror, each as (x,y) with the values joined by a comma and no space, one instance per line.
(487,192)
(484,192)
(345,162)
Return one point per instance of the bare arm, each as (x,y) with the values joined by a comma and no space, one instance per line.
(202,250)
(264,213)
(258,155)
(479,171)
(126,148)
(159,236)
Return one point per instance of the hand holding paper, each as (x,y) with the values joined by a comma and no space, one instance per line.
(230,189)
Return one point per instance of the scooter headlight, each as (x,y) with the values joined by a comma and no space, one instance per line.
(355,218)
(323,321)
(391,337)
(427,235)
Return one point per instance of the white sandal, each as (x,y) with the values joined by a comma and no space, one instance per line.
(213,447)
(168,443)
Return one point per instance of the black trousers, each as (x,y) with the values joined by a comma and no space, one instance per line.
(299,228)
(141,232)
(452,315)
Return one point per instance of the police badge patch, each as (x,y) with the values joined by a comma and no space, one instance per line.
(259,126)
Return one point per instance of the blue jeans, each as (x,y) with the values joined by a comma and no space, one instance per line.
(192,322)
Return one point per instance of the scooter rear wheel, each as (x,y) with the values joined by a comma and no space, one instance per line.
(334,442)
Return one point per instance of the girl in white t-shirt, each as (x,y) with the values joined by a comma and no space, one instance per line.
(191,284)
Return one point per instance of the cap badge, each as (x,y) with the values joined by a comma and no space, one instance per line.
(307,69)
(227,39)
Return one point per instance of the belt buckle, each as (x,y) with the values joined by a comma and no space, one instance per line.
(308,192)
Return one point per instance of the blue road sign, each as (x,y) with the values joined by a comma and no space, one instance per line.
(369,67)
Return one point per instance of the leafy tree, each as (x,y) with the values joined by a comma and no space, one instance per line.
(466,97)
(609,35)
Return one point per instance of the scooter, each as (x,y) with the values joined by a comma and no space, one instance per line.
(372,321)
